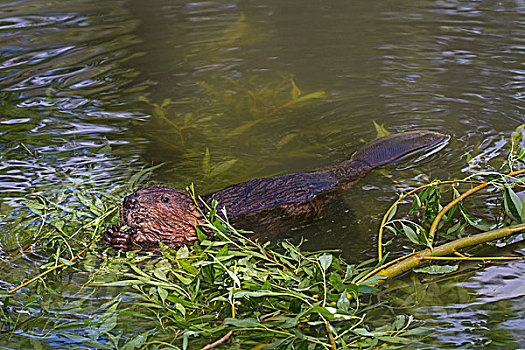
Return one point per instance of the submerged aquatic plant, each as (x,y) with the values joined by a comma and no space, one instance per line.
(237,106)
(236,102)
(260,104)
(233,101)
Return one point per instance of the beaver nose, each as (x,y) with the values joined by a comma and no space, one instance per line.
(130,203)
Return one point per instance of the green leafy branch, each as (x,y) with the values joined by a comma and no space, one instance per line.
(245,292)
(69,223)
(427,200)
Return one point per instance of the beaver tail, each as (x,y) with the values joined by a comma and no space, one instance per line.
(385,150)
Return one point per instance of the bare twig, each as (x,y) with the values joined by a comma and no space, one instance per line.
(218,342)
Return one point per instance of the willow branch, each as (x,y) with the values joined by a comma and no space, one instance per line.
(403,196)
(333,344)
(435,223)
(49,270)
(218,342)
(414,260)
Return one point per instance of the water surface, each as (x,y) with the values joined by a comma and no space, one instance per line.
(93,91)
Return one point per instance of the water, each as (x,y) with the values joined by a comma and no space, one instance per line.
(83,85)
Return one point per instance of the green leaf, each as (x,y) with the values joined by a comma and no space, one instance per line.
(295,91)
(166,102)
(243,128)
(242,323)
(185,337)
(395,340)
(163,294)
(206,168)
(260,293)
(476,222)
(35,207)
(418,331)
(139,177)
(336,281)
(410,234)
(108,324)
(74,337)
(122,283)
(366,289)
(222,167)
(228,271)
(373,280)
(391,214)
(416,204)
(363,332)
(181,309)
(310,96)
(435,269)
(521,154)
(183,252)
(349,273)
(343,302)
(160,274)
(380,129)
(200,234)
(325,260)
(66,262)
(137,341)
(182,278)
(188,267)
(454,228)
(513,204)
(399,322)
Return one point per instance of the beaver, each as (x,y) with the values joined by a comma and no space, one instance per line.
(160,213)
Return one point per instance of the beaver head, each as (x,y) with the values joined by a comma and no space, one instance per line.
(160,214)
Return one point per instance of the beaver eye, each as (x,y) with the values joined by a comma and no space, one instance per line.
(165,200)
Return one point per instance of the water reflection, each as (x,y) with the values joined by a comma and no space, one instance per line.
(487,310)
(62,69)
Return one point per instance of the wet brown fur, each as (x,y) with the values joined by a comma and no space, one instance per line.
(156,214)
(266,205)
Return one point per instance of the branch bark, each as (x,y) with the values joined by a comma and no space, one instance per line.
(218,342)
(414,260)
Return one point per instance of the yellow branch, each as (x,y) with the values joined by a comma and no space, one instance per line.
(433,228)
(49,270)
(403,196)
(413,260)
(473,258)
(382,267)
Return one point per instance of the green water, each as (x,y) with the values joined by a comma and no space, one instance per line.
(93,91)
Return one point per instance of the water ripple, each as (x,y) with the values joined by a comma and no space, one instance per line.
(23,22)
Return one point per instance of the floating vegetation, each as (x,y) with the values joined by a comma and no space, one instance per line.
(226,286)
(231,291)
(255,295)
(454,220)
(211,170)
